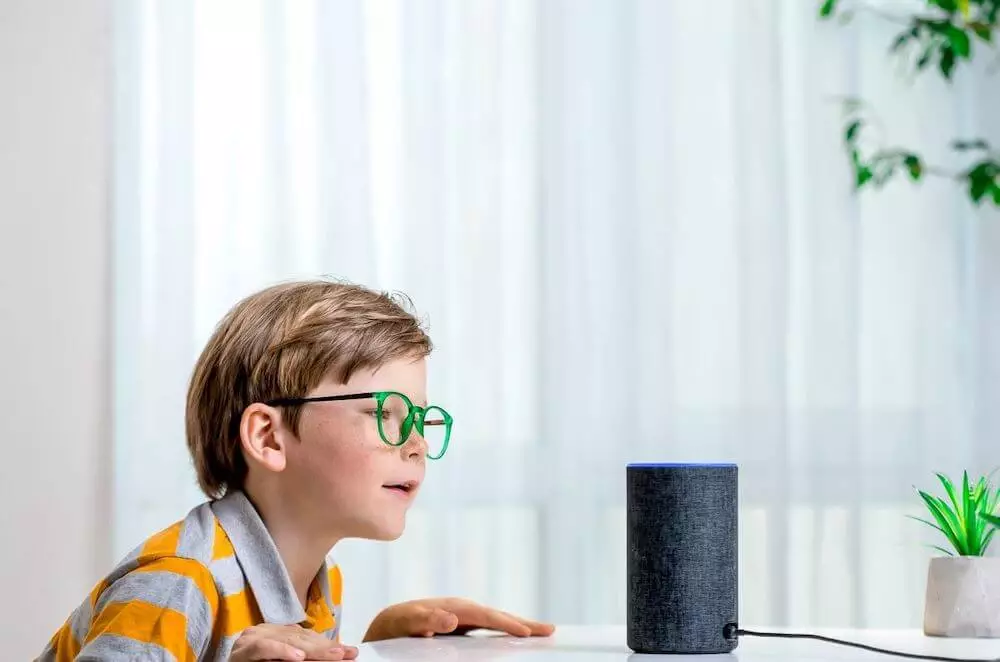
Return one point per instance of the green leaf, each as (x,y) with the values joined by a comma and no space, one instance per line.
(856,158)
(947,63)
(983,181)
(959,41)
(914,166)
(978,186)
(983,30)
(967,145)
(979,492)
(942,549)
(947,5)
(992,519)
(852,130)
(928,523)
(925,58)
(946,519)
(994,501)
(993,12)
(986,540)
(949,489)
(827,9)
(988,169)
(863,175)
(903,38)
(969,519)
(996,195)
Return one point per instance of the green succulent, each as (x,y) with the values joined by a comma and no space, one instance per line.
(968,518)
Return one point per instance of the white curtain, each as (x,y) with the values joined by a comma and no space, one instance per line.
(630,226)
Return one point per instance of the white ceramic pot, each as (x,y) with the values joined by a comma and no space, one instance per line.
(963,597)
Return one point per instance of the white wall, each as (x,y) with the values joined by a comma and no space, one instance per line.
(54,312)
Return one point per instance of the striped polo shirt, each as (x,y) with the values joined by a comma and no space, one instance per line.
(188,592)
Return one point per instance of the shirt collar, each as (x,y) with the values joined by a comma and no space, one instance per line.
(260,561)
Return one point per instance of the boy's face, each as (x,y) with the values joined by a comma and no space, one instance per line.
(341,472)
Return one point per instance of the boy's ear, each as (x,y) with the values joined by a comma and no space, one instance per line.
(260,437)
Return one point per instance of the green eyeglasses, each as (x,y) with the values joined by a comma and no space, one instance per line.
(397,417)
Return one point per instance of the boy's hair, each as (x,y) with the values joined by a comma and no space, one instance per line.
(282,342)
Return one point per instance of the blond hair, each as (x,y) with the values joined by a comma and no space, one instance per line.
(282,342)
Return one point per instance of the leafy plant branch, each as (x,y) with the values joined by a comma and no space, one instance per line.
(944,37)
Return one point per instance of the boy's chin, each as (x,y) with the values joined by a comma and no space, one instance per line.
(384,531)
(383,535)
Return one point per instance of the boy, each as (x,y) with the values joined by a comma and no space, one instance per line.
(306,422)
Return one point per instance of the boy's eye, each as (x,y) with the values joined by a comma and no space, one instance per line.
(374,413)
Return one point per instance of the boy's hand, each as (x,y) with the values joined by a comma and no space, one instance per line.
(287,642)
(425,618)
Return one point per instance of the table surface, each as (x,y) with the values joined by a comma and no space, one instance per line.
(607,644)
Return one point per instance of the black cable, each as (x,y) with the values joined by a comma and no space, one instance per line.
(830,640)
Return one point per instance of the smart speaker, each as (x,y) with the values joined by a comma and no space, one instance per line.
(682,557)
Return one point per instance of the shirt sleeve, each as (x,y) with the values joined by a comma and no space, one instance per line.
(162,610)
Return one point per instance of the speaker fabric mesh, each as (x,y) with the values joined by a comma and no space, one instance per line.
(682,558)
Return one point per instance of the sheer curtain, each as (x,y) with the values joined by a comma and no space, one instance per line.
(630,228)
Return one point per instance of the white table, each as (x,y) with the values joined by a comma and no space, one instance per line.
(607,644)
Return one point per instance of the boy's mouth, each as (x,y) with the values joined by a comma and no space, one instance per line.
(405,489)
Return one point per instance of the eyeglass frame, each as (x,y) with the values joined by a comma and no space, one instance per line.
(415,416)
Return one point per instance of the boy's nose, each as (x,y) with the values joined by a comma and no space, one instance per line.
(415,446)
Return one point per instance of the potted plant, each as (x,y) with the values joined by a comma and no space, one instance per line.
(963,586)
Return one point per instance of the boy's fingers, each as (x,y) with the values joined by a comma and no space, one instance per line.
(289,642)
(269,649)
(430,621)
(537,628)
(339,653)
(324,652)
(505,623)
(471,615)
(326,657)
(444,621)
(313,644)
